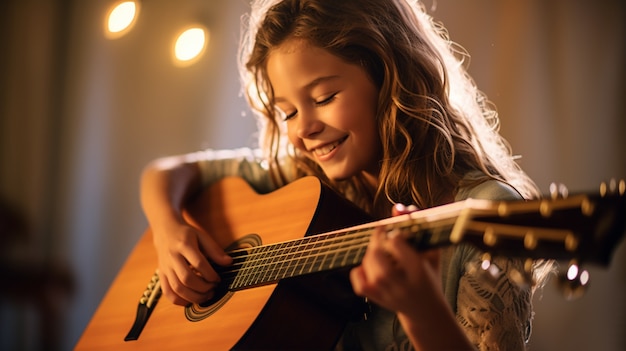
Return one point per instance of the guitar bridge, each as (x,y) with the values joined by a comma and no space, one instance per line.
(147,302)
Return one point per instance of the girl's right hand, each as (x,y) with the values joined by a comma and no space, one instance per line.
(183,251)
(184,254)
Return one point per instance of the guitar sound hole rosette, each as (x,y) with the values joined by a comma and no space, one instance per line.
(197,312)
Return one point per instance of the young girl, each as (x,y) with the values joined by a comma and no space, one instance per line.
(371,97)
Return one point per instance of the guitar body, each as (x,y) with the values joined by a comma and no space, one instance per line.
(307,312)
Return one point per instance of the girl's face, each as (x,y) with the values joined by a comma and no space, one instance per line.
(329,106)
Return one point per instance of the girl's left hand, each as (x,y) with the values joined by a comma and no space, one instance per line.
(396,276)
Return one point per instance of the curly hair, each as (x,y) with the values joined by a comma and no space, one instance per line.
(434,124)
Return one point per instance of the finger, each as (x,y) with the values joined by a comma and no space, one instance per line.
(377,263)
(400,209)
(186,291)
(196,263)
(169,293)
(358,279)
(377,272)
(396,245)
(213,250)
(189,278)
(401,251)
(200,252)
(433,257)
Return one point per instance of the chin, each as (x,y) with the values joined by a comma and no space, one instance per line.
(338,176)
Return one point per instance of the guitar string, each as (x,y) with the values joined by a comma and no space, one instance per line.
(259,264)
(270,263)
(279,258)
(259,254)
(250,259)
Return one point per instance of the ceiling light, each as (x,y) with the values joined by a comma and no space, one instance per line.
(190,45)
(121,18)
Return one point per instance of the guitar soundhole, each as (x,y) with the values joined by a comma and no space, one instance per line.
(197,312)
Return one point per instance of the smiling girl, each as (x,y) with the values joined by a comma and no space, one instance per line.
(370,97)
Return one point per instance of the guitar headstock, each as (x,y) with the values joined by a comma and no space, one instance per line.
(580,229)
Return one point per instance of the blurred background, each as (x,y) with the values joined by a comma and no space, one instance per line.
(82,111)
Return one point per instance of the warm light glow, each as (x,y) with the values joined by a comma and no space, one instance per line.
(121,18)
(190,44)
(584,278)
(572,272)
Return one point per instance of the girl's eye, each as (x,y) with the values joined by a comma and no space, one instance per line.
(323,102)
(289,116)
(326,101)
(284,115)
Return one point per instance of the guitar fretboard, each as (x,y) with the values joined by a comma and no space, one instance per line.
(267,264)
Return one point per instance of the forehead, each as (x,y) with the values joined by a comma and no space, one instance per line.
(291,45)
(295,64)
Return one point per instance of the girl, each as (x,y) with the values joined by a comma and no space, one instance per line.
(371,97)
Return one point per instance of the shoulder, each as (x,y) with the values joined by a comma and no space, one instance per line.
(488,190)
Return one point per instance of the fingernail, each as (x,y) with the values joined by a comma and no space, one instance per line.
(392,233)
(400,207)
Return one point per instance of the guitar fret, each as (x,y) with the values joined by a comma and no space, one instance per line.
(292,259)
(322,249)
(280,253)
(307,250)
(261,270)
(271,273)
(320,245)
(238,281)
(316,249)
(282,257)
(351,257)
(336,253)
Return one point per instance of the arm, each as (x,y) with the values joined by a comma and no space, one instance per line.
(166,184)
(400,279)
(183,252)
(488,313)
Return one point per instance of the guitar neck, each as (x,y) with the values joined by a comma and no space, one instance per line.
(266,264)
(583,227)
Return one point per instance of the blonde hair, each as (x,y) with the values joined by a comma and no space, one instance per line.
(435,125)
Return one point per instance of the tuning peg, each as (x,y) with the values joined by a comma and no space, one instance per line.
(574,282)
(558,191)
(613,187)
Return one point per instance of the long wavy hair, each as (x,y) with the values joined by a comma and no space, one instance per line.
(435,125)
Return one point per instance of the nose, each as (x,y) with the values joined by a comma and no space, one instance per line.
(308,125)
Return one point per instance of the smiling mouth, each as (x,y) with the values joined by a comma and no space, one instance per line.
(326,149)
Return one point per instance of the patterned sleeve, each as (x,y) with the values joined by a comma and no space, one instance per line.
(491,306)
(494,310)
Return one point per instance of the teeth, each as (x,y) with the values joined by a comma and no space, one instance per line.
(321,151)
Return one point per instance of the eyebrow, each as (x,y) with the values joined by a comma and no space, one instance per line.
(310,86)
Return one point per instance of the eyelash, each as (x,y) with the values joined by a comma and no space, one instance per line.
(324,102)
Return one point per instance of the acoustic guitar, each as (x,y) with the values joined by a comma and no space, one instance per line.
(287,287)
